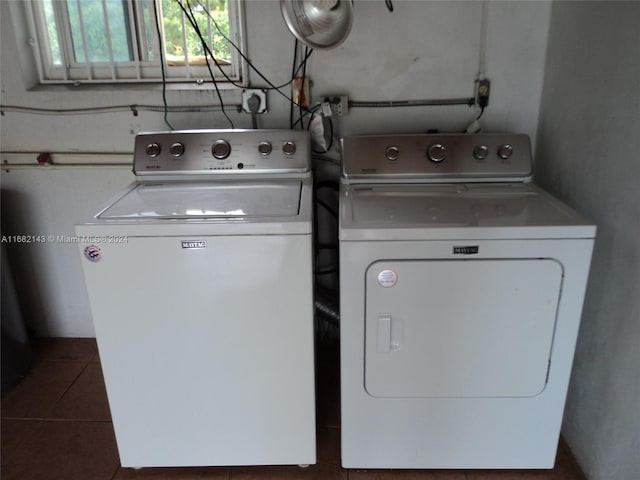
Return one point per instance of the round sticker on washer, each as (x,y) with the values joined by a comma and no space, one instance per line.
(92,253)
(387,278)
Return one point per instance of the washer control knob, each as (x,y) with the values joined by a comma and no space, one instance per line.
(221,149)
(176,149)
(289,148)
(153,150)
(505,151)
(392,153)
(437,152)
(480,152)
(265,148)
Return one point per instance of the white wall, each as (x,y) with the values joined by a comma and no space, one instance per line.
(47,202)
(588,148)
(424,50)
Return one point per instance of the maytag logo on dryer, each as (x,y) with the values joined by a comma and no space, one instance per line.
(468,250)
(194,244)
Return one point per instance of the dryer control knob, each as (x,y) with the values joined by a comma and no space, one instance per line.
(289,148)
(221,149)
(153,150)
(437,152)
(176,149)
(392,153)
(265,148)
(505,151)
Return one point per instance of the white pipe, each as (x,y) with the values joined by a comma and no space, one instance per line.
(482,61)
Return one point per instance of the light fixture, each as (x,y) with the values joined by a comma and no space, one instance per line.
(321,24)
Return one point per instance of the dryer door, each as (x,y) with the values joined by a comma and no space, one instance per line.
(460,328)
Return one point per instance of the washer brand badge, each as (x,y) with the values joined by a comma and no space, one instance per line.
(92,253)
(387,278)
(194,244)
(465,250)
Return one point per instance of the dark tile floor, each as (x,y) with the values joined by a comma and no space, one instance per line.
(56,426)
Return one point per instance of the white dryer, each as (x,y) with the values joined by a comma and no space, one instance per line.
(461,293)
(200,285)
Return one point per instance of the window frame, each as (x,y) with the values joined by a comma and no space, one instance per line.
(138,71)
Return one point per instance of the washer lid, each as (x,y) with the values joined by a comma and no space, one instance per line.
(416,212)
(207,200)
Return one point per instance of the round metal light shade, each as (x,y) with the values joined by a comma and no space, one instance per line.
(318,24)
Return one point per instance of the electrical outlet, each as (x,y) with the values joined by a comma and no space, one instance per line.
(482,92)
(247,93)
(339,104)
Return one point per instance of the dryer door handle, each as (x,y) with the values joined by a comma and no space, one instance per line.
(383,343)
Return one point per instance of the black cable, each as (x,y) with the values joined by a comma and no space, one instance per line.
(271,85)
(302,64)
(389,5)
(481,112)
(304,74)
(293,75)
(244,57)
(326,184)
(206,47)
(327,207)
(164,78)
(307,111)
(249,63)
(332,136)
(192,20)
(196,27)
(302,111)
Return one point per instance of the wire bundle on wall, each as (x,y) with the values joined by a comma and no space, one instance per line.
(187,10)
(194,24)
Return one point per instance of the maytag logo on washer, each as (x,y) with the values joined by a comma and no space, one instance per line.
(194,244)
(471,250)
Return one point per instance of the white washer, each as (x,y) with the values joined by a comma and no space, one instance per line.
(200,284)
(461,293)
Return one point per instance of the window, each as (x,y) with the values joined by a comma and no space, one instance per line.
(114,41)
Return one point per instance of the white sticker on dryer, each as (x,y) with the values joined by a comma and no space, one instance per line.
(387,278)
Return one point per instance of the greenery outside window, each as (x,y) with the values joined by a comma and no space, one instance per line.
(116,41)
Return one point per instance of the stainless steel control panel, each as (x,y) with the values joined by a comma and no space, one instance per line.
(436,157)
(214,152)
